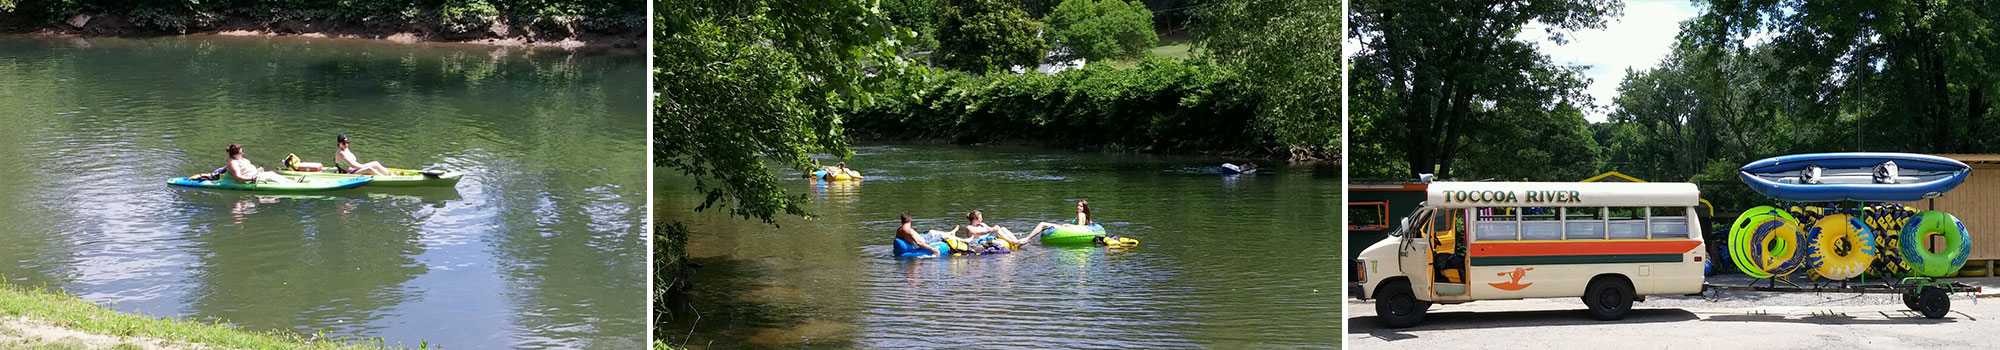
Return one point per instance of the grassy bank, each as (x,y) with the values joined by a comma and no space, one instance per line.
(577,23)
(1159,106)
(41,319)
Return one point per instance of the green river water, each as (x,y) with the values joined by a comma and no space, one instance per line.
(540,246)
(1225,261)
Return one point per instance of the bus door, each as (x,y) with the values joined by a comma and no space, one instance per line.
(1414,253)
(1448,270)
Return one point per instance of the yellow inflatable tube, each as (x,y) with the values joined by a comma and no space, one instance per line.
(1839,247)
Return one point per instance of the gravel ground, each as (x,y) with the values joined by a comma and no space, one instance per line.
(1728,320)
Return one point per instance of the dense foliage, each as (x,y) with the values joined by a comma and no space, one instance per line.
(184,15)
(1162,105)
(744,84)
(1266,84)
(1747,79)
(1098,30)
(1454,73)
(1290,53)
(1754,79)
(987,36)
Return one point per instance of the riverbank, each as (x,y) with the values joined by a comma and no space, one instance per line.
(39,318)
(563,32)
(1160,106)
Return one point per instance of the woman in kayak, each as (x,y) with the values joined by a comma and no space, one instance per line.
(977,226)
(347,162)
(242,170)
(1082,219)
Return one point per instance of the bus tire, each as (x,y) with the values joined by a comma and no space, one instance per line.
(1933,303)
(1608,298)
(1910,300)
(1398,306)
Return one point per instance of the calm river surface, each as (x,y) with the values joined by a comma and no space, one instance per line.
(540,246)
(1223,261)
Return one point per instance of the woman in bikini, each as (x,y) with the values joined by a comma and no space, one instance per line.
(1082,219)
(344,159)
(242,170)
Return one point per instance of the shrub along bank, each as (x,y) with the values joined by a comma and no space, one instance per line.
(1160,106)
(594,21)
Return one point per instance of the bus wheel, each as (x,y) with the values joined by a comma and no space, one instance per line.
(1910,300)
(1608,298)
(1397,306)
(1933,303)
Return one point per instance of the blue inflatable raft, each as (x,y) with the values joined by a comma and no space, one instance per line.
(1857,176)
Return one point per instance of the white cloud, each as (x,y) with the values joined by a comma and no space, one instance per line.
(1639,40)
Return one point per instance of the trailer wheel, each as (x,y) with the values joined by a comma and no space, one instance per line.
(1609,299)
(1910,300)
(1933,303)
(1398,306)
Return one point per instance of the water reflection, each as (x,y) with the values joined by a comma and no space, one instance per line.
(540,246)
(1249,261)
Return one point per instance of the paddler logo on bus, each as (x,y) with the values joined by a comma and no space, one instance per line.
(1515,282)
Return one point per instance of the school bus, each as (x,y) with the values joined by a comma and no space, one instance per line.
(1609,243)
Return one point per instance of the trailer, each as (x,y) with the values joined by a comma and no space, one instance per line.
(1926,295)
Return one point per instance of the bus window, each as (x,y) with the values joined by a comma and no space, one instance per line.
(1497,224)
(1417,225)
(1541,223)
(1446,226)
(1626,223)
(1367,216)
(1583,223)
(1669,223)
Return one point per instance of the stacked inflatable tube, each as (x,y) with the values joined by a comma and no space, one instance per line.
(1765,242)
(1887,220)
(1944,263)
(1840,247)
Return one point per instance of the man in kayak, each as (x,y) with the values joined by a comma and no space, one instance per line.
(976,225)
(1082,219)
(347,162)
(242,170)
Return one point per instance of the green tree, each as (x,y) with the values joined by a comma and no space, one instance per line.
(1919,74)
(1102,29)
(1446,64)
(741,85)
(1290,50)
(986,36)
(920,17)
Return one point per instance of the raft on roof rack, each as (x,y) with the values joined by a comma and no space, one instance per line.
(1857,176)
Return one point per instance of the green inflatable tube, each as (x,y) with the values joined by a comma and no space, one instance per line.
(1746,246)
(1072,234)
(1946,263)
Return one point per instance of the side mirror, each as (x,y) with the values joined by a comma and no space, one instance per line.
(1404,225)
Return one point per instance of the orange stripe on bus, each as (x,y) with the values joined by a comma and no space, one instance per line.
(1582,248)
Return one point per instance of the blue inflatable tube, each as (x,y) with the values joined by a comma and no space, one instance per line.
(1857,176)
(908,250)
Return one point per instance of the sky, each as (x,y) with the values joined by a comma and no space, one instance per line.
(1639,39)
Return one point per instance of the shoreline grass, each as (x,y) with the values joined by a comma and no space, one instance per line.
(68,312)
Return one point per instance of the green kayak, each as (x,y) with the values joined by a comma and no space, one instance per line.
(1072,234)
(311,184)
(402,178)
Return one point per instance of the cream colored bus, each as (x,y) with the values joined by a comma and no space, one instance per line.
(1609,243)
